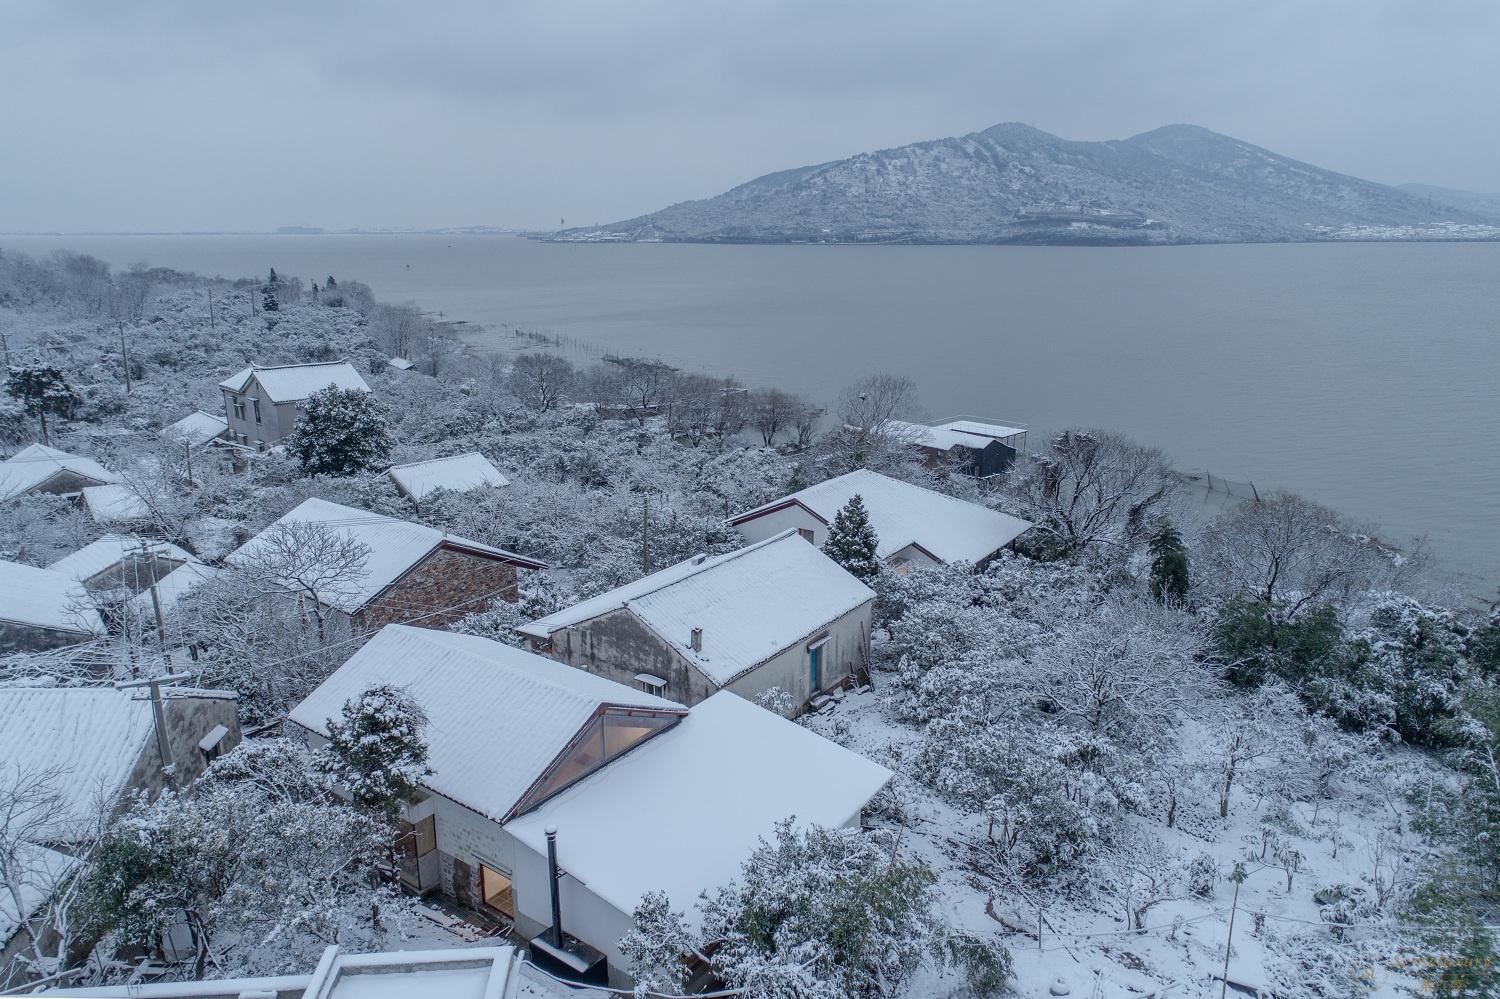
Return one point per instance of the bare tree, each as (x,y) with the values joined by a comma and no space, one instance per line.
(772,411)
(1092,488)
(397,328)
(440,353)
(1286,553)
(316,562)
(541,381)
(643,381)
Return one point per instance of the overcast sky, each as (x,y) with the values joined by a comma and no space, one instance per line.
(167,116)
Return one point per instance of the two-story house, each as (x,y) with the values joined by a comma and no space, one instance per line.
(262,403)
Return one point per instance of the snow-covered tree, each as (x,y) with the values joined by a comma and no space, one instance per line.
(852,542)
(1170,578)
(541,381)
(378,750)
(268,293)
(341,432)
(1091,489)
(43,391)
(655,946)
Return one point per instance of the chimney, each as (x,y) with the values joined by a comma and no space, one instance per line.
(557,933)
(696,640)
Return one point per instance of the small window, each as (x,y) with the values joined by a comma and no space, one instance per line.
(212,744)
(256,404)
(650,684)
(239,409)
(498,891)
(805,534)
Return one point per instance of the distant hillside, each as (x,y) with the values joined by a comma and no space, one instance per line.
(1017,184)
(1472,201)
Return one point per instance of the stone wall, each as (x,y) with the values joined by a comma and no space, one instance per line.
(439,590)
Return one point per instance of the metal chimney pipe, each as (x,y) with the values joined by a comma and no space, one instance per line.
(557,934)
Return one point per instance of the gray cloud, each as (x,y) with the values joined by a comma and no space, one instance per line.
(181,115)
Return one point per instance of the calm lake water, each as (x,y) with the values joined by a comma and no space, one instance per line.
(1362,375)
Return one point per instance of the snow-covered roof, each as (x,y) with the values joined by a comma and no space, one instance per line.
(295,382)
(109,551)
(43,598)
(902,514)
(394,547)
(497,715)
(197,428)
(955,433)
(38,871)
(716,782)
(171,587)
(401,363)
(457,474)
(751,603)
(114,503)
(90,736)
(34,464)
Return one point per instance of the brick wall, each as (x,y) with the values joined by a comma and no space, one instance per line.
(454,580)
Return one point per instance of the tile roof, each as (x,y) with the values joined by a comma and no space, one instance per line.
(34,464)
(109,551)
(43,598)
(295,382)
(459,473)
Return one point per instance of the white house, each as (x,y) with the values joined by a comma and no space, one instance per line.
(778,613)
(644,793)
(43,469)
(42,609)
(411,571)
(460,473)
(262,402)
(915,526)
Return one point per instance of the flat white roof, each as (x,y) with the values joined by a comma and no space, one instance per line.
(902,514)
(497,716)
(459,473)
(196,428)
(36,463)
(295,382)
(715,784)
(114,503)
(112,549)
(43,598)
(751,604)
(394,547)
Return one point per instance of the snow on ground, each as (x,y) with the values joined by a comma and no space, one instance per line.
(1086,943)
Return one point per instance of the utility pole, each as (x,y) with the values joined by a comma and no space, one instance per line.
(159,714)
(1237,877)
(187,449)
(646,533)
(124,356)
(5,345)
(161,627)
(210,310)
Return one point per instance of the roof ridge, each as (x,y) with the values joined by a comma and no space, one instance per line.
(450,457)
(709,562)
(298,364)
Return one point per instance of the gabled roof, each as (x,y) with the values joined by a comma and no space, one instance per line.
(955,433)
(395,546)
(109,551)
(42,598)
(716,782)
(196,428)
(34,464)
(91,736)
(497,716)
(902,514)
(751,604)
(401,363)
(114,503)
(458,474)
(295,382)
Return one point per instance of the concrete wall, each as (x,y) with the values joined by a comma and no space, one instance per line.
(617,646)
(774,523)
(454,582)
(65,483)
(189,719)
(277,419)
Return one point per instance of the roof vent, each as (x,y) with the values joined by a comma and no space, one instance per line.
(695,640)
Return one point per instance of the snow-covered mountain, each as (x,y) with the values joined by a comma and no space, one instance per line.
(1017,184)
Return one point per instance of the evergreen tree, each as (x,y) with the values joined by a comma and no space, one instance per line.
(377,750)
(330,283)
(268,302)
(340,432)
(1169,565)
(852,542)
(42,391)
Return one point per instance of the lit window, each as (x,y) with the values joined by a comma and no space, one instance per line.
(499,894)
